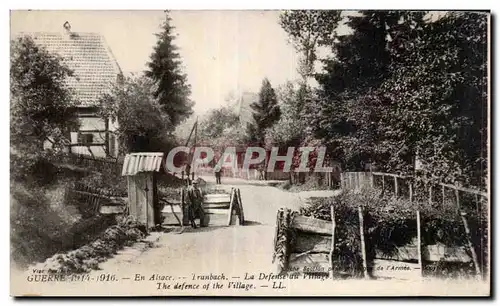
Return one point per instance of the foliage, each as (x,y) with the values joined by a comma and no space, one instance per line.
(107,181)
(266,113)
(171,89)
(41,107)
(290,128)
(88,257)
(311,182)
(439,82)
(221,128)
(143,124)
(307,29)
(402,86)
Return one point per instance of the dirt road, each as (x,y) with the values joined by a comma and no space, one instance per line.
(225,256)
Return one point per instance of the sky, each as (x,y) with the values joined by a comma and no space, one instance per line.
(222,51)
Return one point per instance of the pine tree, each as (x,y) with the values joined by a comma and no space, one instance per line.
(266,113)
(165,70)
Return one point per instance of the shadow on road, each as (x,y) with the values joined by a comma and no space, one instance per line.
(250,223)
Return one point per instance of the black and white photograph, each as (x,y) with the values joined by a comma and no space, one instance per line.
(249,153)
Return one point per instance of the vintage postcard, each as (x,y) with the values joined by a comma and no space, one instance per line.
(250,153)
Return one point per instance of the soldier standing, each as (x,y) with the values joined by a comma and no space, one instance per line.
(218,176)
(194,199)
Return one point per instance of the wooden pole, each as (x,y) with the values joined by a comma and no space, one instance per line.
(332,248)
(419,244)
(467,234)
(242,214)
(231,207)
(442,195)
(372,180)
(183,207)
(396,186)
(362,238)
(383,184)
(430,194)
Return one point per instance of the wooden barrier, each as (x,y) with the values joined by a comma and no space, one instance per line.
(306,245)
(221,209)
(434,193)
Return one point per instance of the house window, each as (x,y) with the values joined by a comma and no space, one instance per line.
(85,138)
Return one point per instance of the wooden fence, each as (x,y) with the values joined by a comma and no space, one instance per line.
(89,162)
(94,201)
(431,192)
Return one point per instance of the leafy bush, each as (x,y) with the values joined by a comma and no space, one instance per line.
(312,182)
(108,182)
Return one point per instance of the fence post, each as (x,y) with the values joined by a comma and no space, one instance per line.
(383,184)
(430,193)
(362,238)
(467,234)
(442,194)
(332,248)
(372,180)
(396,186)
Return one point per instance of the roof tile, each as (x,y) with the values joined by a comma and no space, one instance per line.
(87,54)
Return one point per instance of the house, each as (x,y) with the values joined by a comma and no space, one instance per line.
(95,72)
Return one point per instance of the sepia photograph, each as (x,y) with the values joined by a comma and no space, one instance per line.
(250,153)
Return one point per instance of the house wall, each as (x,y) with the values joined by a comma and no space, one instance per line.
(91,124)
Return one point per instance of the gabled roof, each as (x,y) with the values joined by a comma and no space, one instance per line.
(88,55)
(142,162)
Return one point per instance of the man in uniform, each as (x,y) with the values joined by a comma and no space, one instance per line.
(218,176)
(194,200)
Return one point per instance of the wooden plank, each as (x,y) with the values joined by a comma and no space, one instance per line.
(313,243)
(396,189)
(132,197)
(150,196)
(332,243)
(242,214)
(141,198)
(312,225)
(309,263)
(217,206)
(230,215)
(216,211)
(419,243)
(111,209)
(217,201)
(217,195)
